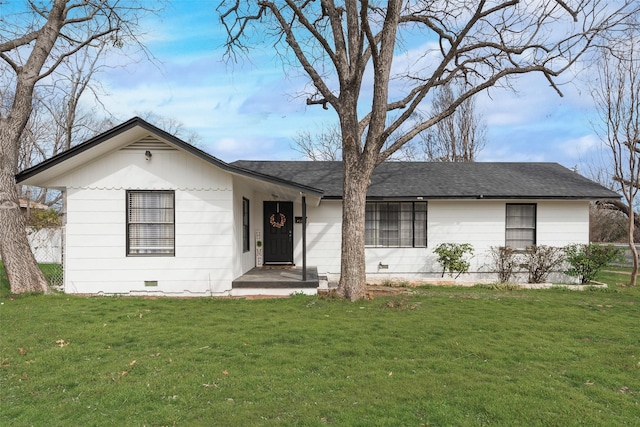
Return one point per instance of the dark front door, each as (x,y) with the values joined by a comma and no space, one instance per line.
(278,232)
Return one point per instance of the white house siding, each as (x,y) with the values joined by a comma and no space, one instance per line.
(95,257)
(562,223)
(478,222)
(244,261)
(324,237)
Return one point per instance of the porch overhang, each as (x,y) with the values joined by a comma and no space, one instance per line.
(284,190)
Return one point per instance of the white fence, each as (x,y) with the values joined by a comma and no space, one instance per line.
(46,245)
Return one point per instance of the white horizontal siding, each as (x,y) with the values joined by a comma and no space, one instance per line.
(324,236)
(130,170)
(95,257)
(208,215)
(480,223)
(562,223)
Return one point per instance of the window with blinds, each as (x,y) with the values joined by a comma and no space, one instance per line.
(396,224)
(521,226)
(150,222)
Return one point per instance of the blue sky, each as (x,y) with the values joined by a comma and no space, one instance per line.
(251,110)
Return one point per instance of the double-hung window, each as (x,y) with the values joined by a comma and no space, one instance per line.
(150,222)
(396,224)
(521,225)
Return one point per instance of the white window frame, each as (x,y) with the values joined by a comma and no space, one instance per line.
(517,224)
(150,223)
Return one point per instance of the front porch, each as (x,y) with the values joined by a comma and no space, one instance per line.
(276,281)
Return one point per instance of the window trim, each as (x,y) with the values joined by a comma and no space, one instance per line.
(534,228)
(412,221)
(246,235)
(128,224)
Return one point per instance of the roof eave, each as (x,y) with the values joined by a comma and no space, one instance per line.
(483,197)
(172,139)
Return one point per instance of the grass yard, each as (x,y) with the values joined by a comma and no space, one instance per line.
(439,356)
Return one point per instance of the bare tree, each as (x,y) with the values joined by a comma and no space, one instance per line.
(171,125)
(458,137)
(608,225)
(33,46)
(57,120)
(326,144)
(348,51)
(57,123)
(74,124)
(618,102)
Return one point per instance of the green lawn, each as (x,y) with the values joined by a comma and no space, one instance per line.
(441,356)
(52,272)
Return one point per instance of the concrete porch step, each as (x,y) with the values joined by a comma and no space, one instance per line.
(277,278)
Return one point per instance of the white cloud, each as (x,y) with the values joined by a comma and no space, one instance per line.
(251,110)
(580,147)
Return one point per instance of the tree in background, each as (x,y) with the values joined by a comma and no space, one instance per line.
(458,137)
(351,54)
(325,145)
(171,125)
(607,225)
(35,44)
(617,98)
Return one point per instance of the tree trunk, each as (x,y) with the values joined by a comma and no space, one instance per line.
(352,266)
(632,247)
(357,174)
(20,265)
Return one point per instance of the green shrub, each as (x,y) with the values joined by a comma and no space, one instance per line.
(586,261)
(451,257)
(43,218)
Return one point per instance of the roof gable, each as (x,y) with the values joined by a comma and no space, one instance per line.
(143,134)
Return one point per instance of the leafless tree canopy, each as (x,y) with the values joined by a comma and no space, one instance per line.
(477,42)
(350,52)
(618,101)
(171,125)
(326,144)
(41,45)
(458,137)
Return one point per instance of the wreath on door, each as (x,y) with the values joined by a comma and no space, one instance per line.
(277,220)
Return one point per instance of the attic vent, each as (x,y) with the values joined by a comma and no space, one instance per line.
(148,142)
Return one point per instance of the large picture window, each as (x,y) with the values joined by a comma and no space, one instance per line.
(521,226)
(396,224)
(150,223)
(245,225)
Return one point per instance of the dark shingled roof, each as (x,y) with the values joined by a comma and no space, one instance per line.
(436,180)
